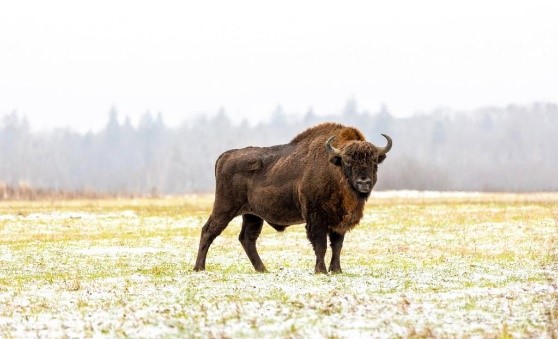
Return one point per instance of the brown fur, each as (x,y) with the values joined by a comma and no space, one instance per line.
(291,184)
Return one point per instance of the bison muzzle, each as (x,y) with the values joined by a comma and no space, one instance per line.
(323,178)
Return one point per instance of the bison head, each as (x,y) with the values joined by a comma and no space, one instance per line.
(359,161)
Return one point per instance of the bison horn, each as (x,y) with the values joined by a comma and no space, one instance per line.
(330,149)
(384,150)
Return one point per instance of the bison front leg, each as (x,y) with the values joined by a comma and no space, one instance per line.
(318,239)
(251,229)
(336,240)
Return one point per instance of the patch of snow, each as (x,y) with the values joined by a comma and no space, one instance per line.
(118,250)
(6,254)
(8,217)
(55,216)
(424,194)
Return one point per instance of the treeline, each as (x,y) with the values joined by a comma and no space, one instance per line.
(513,148)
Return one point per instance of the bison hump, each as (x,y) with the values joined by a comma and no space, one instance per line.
(329,129)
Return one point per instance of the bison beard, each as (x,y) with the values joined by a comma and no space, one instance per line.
(322,177)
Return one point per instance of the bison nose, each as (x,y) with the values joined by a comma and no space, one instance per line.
(363,181)
(363,185)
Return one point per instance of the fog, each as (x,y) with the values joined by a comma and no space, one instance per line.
(467,90)
(65,63)
(512,148)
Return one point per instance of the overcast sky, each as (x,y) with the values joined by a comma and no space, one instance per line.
(65,63)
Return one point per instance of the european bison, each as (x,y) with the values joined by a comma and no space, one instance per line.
(322,177)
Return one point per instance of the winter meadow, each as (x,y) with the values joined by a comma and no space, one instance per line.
(99,233)
(132,131)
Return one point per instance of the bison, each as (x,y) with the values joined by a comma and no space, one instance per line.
(323,178)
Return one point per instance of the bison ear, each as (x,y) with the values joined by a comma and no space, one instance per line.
(381,158)
(336,160)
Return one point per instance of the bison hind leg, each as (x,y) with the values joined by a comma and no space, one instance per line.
(211,230)
(251,229)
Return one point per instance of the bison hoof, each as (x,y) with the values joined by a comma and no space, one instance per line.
(198,269)
(335,268)
(320,270)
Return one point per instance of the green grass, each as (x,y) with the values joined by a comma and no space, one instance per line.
(448,265)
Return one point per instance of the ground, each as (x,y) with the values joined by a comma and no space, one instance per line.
(418,265)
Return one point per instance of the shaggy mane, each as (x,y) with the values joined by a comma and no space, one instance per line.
(359,150)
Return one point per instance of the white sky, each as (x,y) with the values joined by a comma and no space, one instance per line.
(65,63)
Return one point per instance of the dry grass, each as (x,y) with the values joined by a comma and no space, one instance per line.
(418,265)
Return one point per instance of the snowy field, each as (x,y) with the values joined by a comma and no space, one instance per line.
(420,264)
